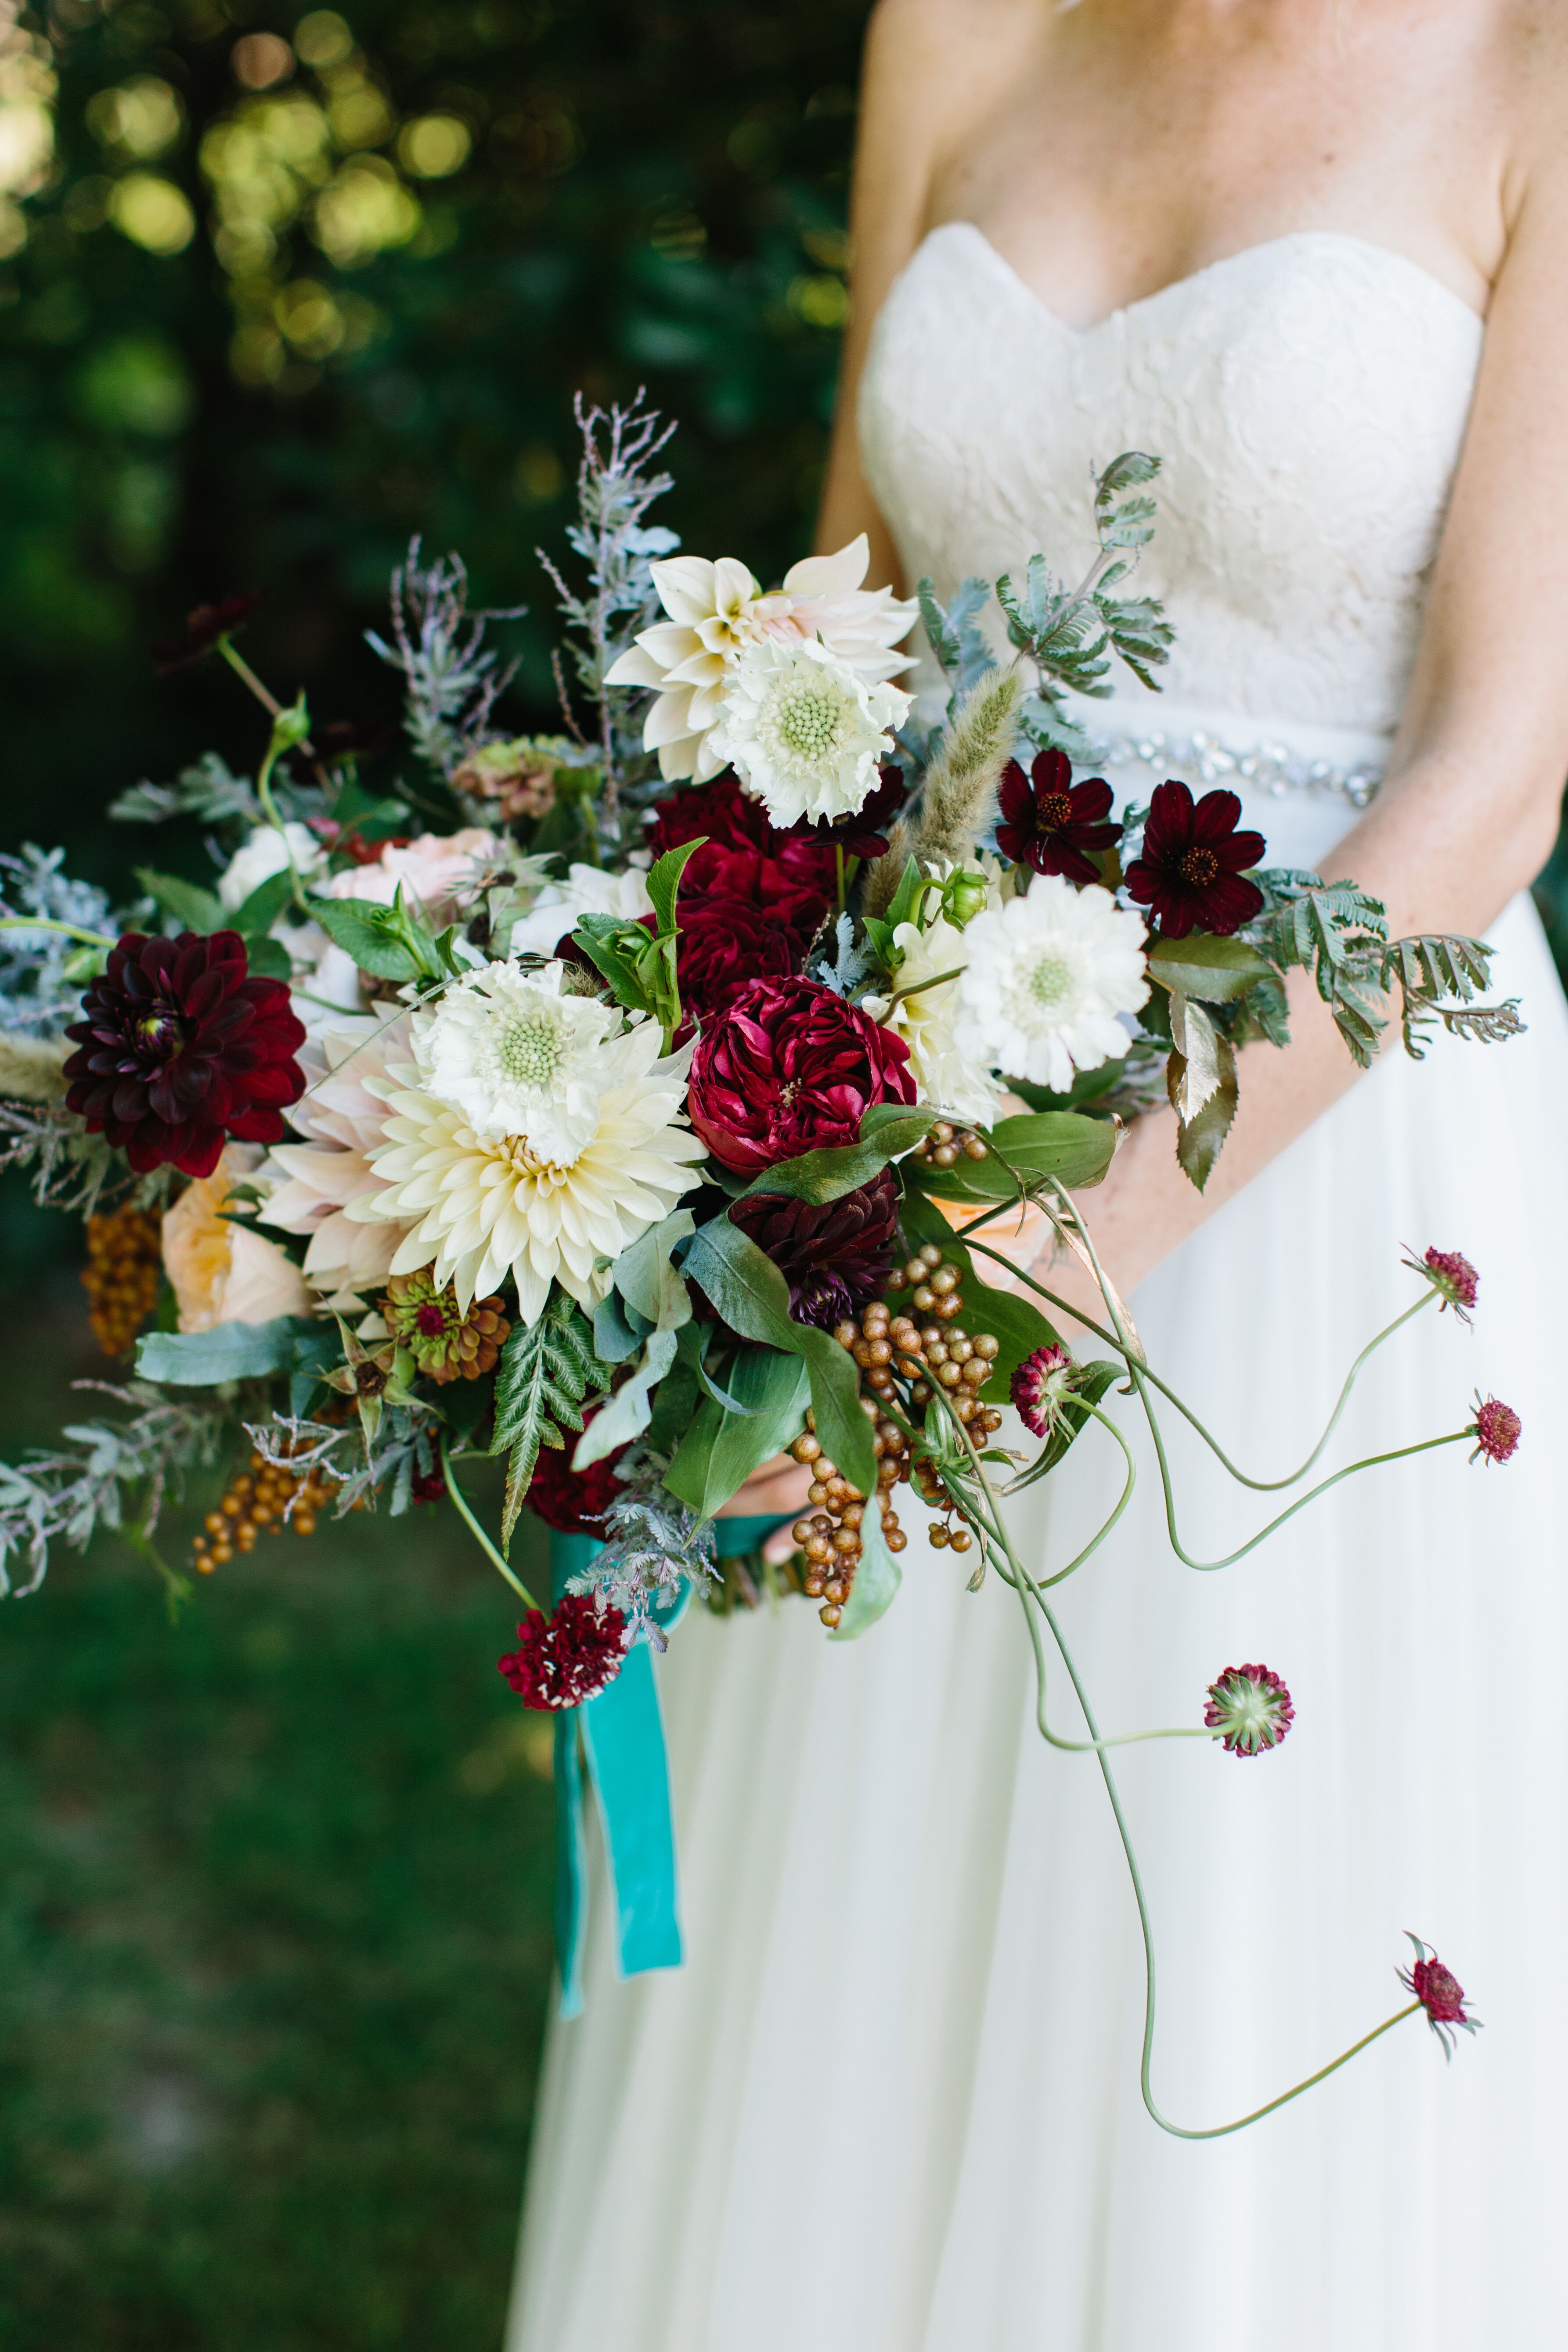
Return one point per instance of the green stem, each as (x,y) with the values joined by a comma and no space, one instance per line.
(1093,1546)
(456,1492)
(919,988)
(48,923)
(838,859)
(242,670)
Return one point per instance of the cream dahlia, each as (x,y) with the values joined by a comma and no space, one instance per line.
(1048,975)
(484,1203)
(313,1183)
(717,610)
(803,731)
(585,891)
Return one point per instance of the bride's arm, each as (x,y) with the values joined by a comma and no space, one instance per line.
(1470,808)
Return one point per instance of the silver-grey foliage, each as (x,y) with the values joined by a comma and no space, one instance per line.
(64,1495)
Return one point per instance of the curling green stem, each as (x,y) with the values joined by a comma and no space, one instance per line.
(48,923)
(1093,1545)
(456,1492)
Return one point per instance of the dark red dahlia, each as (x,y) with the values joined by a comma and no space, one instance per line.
(1052,823)
(863,835)
(571,1655)
(1495,1429)
(1440,1994)
(791,1068)
(572,1502)
(178,1047)
(203,629)
(1453,1278)
(1249,1710)
(837,1255)
(794,876)
(1189,873)
(1040,1387)
(723,944)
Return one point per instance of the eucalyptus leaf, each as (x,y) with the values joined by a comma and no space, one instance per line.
(648,1282)
(232,1351)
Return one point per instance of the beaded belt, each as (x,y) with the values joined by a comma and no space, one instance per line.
(1270,768)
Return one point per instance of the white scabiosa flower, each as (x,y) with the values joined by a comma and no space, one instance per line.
(1048,975)
(598,1155)
(267,853)
(717,610)
(803,731)
(585,891)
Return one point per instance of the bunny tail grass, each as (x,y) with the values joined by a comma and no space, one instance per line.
(959,788)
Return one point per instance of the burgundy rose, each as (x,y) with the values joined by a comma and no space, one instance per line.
(837,1255)
(863,835)
(572,1502)
(744,856)
(178,1047)
(1052,823)
(723,944)
(571,1655)
(791,1068)
(1189,874)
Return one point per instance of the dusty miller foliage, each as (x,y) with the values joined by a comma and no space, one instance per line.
(71,1170)
(66,1494)
(651,1541)
(614,491)
(451,680)
(36,996)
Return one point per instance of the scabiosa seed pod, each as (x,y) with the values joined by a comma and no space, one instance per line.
(1440,1994)
(1041,1387)
(1249,1710)
(570,1656)
(1496,1430)
(1453,1278)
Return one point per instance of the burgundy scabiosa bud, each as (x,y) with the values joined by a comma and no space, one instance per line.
(1189,873)
(1496,1430)
(1249,1710)
(1041,1387)
(562,1660)
(1440,1994)
(1453,1278)
(178,1046)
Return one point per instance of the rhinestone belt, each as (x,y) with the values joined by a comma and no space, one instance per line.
(1271,768)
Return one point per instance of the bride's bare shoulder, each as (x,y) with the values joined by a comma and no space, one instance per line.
(932,52)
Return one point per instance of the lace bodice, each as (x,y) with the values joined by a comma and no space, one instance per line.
(1308,396)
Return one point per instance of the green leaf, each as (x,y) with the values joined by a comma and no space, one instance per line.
(371,817)
(544,1373)
(193,909)
(664,880)
(886,1130)
(646,1278)
(720,1449)
(1216,971)
(359,926)
(630,1410)
(875,1585)
(1199,1139)
(615,1339)
(233,1351)
(603,949)
(912,884)
(256,917)
(752,1298)
(268,960)
(1064,1144)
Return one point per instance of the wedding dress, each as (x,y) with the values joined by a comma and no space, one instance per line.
(890,2102)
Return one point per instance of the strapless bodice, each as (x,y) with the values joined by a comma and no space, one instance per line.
(1308,398)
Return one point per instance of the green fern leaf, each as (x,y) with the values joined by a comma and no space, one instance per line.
(546,1368)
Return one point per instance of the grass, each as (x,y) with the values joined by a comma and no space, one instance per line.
(274,1934)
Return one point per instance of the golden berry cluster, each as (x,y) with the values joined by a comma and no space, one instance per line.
(258,1497)
(120,1276)
(943,1145)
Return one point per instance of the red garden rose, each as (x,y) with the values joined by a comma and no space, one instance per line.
(724,944)
(572,1502)
(178,1047)
(1052,823)
(791,1068)
(1189,873)
(570,1656)
(794,876)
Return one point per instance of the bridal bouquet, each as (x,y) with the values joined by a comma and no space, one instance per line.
(639,1101)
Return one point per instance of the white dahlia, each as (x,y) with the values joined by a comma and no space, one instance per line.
(803,731)
(717,610)
(266,853)
(949,1079)
(599,1155)
(1049,974)
(588,890)
(313,1183)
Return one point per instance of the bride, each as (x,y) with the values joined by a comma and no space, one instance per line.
(1313,254)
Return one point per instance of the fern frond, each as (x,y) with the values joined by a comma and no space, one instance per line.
(545,1371)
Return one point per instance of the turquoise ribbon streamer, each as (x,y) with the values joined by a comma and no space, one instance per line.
(621,1733)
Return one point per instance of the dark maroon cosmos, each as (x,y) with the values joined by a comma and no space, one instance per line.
(179,1047)
(1052,823)
(1189,874)
(203,627)
(791,1068)
(863,835)
(836,1255)
(568,1657)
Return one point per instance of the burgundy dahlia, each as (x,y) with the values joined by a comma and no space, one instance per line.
(1052,823)
(1440,1994)
(791,1068)
(571,1655)
(1249,1710)
(1496,1430)
(178,1047)
(836,1255)
(1452,1276)
(723,944)
(1041,1386)
(1189,872)
(793,876)
(572,1502)
(203,629)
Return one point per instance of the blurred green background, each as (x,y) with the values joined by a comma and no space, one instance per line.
(277,290)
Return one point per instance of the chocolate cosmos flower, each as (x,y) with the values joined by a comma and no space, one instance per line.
(863,835)
(1052,823)
(836,1256)
(571,1655)
(178,1047)
(1189,875)
(203,627)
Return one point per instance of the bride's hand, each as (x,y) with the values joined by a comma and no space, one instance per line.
(776,1491)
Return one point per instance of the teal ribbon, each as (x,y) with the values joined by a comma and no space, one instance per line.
(622,1735)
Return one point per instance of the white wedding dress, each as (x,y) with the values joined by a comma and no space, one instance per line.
(891,2104)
